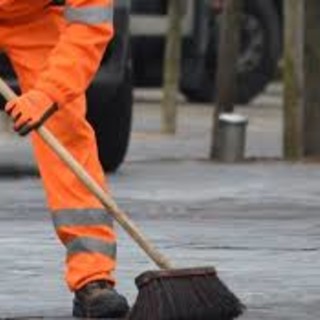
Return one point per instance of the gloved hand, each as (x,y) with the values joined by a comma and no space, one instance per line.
(30,111)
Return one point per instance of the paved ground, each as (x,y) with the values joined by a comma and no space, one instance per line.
(257,222)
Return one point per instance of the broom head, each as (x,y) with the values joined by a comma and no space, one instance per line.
(184,294)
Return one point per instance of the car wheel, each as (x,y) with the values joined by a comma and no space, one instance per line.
(111,120)
(260,50)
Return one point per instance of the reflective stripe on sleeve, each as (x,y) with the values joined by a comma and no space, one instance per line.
(89,15)
(81,217)
(90,245)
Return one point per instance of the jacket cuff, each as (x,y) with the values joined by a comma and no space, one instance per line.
(53,93)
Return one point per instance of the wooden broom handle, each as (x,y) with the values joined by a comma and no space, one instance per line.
(110,205)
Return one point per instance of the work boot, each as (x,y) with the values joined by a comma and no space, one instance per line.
(99,299)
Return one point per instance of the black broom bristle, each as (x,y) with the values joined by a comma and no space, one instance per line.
(184,294)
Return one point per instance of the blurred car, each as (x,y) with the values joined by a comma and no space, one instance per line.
(260,51)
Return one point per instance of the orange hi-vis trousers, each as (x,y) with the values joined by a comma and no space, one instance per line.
(81,223)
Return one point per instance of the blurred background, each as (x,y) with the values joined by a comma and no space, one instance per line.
(203,57)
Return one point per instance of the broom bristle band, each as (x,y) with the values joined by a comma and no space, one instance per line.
(152,275)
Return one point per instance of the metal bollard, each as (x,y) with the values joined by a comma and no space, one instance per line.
(232,137)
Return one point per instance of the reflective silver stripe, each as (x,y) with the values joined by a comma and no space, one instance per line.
(122,3)
(81,217)
(86,244)
(89,15)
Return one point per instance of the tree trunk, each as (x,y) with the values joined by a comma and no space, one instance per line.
(312,79)
(302,77)
(293,79)
(171,72)
(227,65)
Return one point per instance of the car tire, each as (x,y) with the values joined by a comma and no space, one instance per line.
(261,20)
(110,115)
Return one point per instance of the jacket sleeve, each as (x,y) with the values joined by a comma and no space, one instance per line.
(76,57)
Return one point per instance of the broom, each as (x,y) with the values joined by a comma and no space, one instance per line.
(168,294)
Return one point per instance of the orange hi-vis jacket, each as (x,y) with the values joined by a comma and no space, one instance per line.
(57,50)
(76,57)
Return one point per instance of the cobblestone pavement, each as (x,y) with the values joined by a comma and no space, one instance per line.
(257,222)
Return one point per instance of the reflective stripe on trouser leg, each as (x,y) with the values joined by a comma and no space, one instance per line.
(63,189)
(89,14)
(90,242)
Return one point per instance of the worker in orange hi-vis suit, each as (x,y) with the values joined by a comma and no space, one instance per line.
(55,52)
